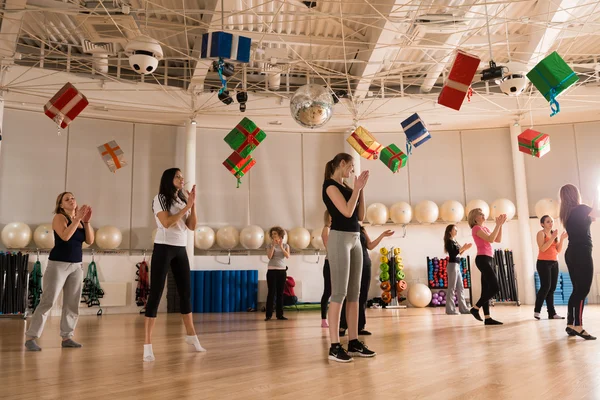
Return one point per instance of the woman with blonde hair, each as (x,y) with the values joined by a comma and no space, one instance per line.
(484,261)
(577,218)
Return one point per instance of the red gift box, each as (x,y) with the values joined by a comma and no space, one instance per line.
(66,105)
(238,165)
(459,80)
(534,143)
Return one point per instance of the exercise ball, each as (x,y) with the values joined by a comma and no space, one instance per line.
(419,295)
(268,237)
(452,211)
(109,237)
(16,235)
(252,237)
(316,240)
(228,237)
(401,213)
(503,206)
(299,238)
(426,212)
(43,236)
(547,207)
(204,237)
(478,204)
(377,214)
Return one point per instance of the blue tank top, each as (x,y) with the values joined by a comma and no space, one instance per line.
(71,250)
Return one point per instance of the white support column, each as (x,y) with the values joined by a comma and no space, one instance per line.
(190,176)
(525,259)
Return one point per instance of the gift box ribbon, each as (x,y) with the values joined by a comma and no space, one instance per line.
(534,150)
(363,145)
(395,156)
(238,170)
(457,85)
(250,137)
(61,115)
(554,106)
(111,151)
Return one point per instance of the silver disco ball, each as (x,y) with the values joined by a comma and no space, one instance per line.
(312,106)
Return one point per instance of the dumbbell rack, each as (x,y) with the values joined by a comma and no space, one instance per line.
(392,263)
(467,261)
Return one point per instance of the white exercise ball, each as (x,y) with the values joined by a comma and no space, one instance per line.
(252,237)
(228,237)
(299,238)
(401,213)
(43,236)
(204,237)
(452,211)
(16,235)
(478,204)
(426,212)
(316,240)
(268,238)
(547,207)
(377,214)
(419,295)
(109,237)
(503,206)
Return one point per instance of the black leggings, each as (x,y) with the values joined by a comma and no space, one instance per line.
(275,283)
(326,289)
(365,282)
(489,282)
(548,272)
(163,256)
(581,269)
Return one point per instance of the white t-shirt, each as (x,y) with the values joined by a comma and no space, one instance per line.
(176,235)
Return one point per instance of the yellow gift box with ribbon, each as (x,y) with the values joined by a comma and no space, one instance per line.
(364,143)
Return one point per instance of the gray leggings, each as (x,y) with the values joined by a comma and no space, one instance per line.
(344,252)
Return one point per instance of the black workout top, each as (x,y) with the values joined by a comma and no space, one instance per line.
(338,221)
(71,250)
(453,250)
(365,250)
(578,226)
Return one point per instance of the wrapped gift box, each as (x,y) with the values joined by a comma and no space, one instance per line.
(364,143)
(533,142)
(415,130)
(393,157)
(66,104)
(245,137)
(459,80)
(224,45)
(551,77)
(238,165)
(112,155)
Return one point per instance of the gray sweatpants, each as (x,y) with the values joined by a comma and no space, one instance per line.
(58,276)
(455,287)
(345,261)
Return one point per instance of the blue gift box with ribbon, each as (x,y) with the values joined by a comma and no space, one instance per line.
(216,45)
(416,132)
(551,77)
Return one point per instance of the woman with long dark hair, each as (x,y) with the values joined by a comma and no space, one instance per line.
(547,266)
(455,280)
(174,213)
(71,226)
(577,217)
(347,208)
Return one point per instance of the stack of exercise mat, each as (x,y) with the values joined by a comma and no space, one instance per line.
(504,267)
(217,291)
(564,288)
(14,279)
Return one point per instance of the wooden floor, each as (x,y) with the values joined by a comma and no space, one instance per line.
(422,354)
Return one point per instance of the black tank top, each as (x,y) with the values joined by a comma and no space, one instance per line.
(338,221)
(71,250)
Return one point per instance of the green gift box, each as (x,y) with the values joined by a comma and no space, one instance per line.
(393,157)
(245,137)
(551,77)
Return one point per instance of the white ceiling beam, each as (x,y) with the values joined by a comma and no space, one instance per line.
(452,41)
(202,66)
(11,26)
(553,14)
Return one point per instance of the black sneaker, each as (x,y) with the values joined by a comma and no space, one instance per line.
(282,318)
(364,333)
(337,353)
(358,349)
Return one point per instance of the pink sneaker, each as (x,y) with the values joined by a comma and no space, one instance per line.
(324,323)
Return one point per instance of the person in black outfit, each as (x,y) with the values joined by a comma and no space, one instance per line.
(577,218)
(365,282)
(326,273)
(455,280)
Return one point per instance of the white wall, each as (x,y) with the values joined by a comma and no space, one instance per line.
(283,188)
